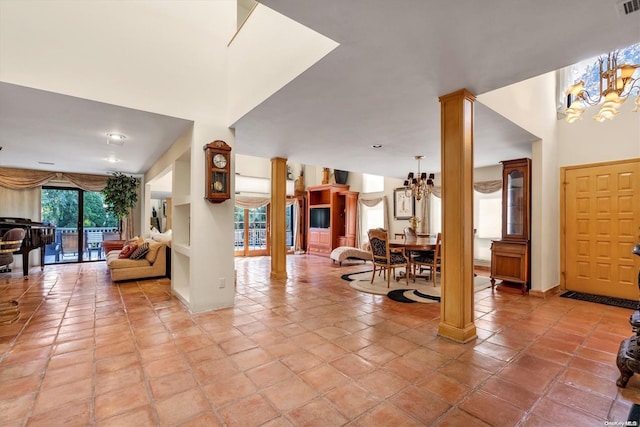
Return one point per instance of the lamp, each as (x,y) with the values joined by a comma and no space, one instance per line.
(419,185)
(616,85)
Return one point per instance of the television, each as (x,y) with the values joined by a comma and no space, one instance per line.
(320,218)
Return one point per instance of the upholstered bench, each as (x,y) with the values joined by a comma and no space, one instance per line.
(342,253)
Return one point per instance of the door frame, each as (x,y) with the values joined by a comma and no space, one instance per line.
(563,209)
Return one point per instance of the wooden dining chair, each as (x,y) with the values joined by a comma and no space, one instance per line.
(384,259)
(430,260)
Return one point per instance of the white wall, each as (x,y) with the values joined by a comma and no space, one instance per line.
(531,104)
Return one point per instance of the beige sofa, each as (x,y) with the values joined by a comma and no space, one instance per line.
(153,264)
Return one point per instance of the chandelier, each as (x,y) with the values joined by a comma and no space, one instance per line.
(419,185)
(616,85)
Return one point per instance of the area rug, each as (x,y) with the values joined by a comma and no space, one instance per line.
(617,302)
(421,291)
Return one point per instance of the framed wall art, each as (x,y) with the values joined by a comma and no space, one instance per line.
(404,205)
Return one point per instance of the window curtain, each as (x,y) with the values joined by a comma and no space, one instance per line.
(20,179)
(370,203)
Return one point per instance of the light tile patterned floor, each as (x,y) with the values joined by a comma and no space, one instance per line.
(309,351)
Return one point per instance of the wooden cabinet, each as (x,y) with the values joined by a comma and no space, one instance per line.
(510,256)
(331,218)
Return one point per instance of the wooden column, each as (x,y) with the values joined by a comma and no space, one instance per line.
(278,218)
(456,307)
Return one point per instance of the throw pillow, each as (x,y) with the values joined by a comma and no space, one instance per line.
(140,252)
(127,250)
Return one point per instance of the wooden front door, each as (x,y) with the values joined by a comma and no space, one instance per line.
(601,218)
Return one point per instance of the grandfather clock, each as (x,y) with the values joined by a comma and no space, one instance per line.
(218,171)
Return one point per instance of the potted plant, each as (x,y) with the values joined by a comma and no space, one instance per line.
(121,195)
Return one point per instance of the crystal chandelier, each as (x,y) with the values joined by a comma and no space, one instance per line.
(420,185)
(616,85)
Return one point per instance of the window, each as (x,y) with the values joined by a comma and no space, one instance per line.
(372,183)
(589,70)
(435,215)
(489,218)
(371,217)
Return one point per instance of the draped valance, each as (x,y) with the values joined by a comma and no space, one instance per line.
(20,179)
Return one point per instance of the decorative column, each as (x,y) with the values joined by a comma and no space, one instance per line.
(457,294)
(278,218)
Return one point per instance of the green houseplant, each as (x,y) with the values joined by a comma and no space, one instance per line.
(121,195)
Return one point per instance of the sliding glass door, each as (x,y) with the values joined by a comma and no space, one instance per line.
(81,221)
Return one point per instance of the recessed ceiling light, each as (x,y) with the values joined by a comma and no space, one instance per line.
(112,160)
(46,163)
(115,139)
(376,146)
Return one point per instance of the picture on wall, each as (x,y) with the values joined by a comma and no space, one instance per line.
(404,206)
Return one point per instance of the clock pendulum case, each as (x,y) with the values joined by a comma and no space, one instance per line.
(218,171)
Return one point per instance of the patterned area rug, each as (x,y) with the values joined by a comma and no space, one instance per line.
(618,302)
(421,291)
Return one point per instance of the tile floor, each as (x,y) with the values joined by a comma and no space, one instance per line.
(308,351)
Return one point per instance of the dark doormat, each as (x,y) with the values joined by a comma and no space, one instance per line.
(618,302)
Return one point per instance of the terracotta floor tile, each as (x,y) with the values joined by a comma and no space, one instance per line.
(556,413)
(121,400)
(161,367)
(141,417)
(16,409)
(51,398)
(301,361)
(289,394)
(229,389)
(113,380)
(502,413)
(352,400)
(445,387)
(518,395)
(459,418)
(324,377)
(574,397)
(252,411)
(98,353)
(318,409)
(423,405)
(76,414)
(181,407)
(173,383)
(269,374)
(352,365)
(387,414)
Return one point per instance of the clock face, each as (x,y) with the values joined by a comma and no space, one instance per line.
(219,161)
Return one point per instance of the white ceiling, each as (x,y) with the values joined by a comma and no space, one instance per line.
(380,86)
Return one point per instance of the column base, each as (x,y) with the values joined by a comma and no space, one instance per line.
(460,335)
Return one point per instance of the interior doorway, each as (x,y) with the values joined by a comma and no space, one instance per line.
(600,215)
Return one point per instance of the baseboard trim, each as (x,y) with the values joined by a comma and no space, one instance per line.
(546,293)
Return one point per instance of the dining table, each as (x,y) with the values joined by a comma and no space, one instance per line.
(409,244)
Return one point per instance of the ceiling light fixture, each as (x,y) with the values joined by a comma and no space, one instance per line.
(616,85)
(420,185)
(115,139)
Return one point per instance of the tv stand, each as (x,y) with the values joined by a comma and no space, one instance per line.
(341,205)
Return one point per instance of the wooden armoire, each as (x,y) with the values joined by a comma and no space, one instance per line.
(331,218)
(510,256)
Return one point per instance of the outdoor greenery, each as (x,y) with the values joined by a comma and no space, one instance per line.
(60,207)
(121,194)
